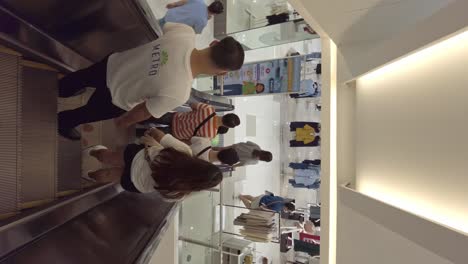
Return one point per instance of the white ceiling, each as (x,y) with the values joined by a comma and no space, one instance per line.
(354,21)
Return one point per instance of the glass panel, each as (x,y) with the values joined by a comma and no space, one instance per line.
(249,14)
(190,253)
(273,35)
(201,229)
(203,83)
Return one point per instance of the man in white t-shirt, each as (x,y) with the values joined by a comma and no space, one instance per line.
(149,80)
(249,153)
(201,148)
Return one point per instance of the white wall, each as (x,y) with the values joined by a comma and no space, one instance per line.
(373,243)
(370,33)
(386,129)
(364,21)
(411,143)
(372,231)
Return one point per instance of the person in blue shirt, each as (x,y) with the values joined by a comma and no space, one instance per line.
(193,13)
(267,203)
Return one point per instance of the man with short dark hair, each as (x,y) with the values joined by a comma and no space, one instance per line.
(202,121)
(193,13)
(149,80)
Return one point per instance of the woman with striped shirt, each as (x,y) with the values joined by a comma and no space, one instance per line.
(202,121)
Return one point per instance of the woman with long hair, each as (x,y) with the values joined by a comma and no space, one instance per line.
(161,163)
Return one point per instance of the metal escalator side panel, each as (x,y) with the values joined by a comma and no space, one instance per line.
(220,103)
(38,147)
(93,29)
(10,81)
(116,231)
(32,42)
(69,165)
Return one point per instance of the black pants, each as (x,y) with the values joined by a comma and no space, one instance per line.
(166,119)
(309,248)
(99,106)
(129,154)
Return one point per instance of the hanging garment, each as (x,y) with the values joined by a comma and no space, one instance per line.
(309,248)
(306,134)
(295,143)
(294,126)
(314,186)
(314,212)
(277,19)
(306,164)
(308,176)
(309,238)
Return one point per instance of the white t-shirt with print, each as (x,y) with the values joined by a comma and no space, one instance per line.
(158,72)
(198,145)
(141,171)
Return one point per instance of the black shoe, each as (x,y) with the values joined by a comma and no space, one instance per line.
(70,133)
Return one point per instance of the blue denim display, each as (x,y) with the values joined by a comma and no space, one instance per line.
(306,174)
(314,186)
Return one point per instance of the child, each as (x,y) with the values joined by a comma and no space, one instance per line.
(165,165)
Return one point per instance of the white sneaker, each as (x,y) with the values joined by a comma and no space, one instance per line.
(87,151)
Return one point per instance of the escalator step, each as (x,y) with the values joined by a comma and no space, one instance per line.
(9,82)
(29,145)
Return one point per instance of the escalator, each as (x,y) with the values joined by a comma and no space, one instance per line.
(47,213)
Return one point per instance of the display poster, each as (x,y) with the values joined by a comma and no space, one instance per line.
(267,77)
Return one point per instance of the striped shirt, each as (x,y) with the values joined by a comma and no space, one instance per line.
(184,124)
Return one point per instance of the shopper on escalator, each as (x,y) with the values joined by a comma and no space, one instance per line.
(250,153)
(146,81)
(161,163)
(202,121)
(193,13)
(201,148)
